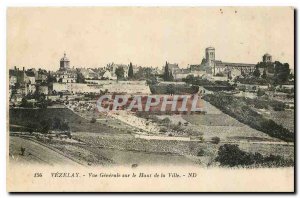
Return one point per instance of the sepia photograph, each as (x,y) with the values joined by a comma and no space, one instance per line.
(158,99)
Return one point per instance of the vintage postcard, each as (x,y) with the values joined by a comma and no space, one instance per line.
(150,99)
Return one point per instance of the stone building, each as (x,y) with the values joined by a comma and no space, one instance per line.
(218,67)
(181,73)
(172,67)
(267,58)
(64,63)
(65,74)
(210,56)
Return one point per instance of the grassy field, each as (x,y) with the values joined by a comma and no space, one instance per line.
(241,109)
(127,149)
(23,117)
(216,123)
(212,120)
(114,143)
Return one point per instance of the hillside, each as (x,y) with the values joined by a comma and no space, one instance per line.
(25,117)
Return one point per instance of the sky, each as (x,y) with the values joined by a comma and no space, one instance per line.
(95,36)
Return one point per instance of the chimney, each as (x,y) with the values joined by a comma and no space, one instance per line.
(15,67)
(23,68)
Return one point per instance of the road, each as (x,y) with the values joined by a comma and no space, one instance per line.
(35,153)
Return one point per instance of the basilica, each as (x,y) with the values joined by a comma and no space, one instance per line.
(213,68)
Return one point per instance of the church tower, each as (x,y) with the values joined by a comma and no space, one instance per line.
(64,63)
(210,59)
(210,56)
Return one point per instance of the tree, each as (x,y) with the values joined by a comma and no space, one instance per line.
(51,79)
(171,77)
(130,71)
(93,120)
(152,81)
(41,101)
(264,75)
(166,75)
(171,89)
(215,140)
(45,126)
(291,76)
(190,79)
(120,73)
(260,92)
(201,152)
(23,151)
(56,123)
(144,73)
(231,155)
(32,127)
(256,73)
(80,78)
(65,126)
(282,72)
(24,102)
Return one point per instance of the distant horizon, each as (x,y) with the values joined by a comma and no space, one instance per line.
(148,37)
(96,67)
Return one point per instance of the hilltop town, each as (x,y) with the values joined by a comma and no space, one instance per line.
(245,105)
(115,77)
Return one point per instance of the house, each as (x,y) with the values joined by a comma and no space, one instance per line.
(108,75)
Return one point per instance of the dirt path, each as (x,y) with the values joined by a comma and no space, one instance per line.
(35,153)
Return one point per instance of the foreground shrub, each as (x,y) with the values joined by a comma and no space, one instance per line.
(231,155)
(93,120)
(201,152)
(215,140)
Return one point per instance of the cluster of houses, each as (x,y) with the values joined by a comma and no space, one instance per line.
(67,80)
(72,80)
(23,82)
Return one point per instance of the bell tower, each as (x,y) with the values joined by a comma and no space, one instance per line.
(210,56)
(64,63)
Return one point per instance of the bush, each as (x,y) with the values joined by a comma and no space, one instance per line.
(231,155)
(165,121)
(177,128)
(201,138)
(260,105)
(93,120)
(69,135)
(215,140)
(163,129)
(277,106)
(260,92)
(200,153)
